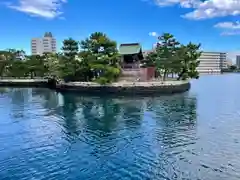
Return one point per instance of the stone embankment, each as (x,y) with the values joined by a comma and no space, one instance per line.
(131,88)
(126,88)
(24,82)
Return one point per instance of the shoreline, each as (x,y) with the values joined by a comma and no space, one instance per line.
(24,83)
(126,88)
(117,88)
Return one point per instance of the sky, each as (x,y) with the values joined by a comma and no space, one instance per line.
(213,23)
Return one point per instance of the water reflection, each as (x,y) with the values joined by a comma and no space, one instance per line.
(49,99)
(65,136)
(120,127)
(108,138)
(176,120)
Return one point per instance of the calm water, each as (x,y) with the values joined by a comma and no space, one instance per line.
(195,135)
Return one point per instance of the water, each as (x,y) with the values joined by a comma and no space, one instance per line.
(194,135)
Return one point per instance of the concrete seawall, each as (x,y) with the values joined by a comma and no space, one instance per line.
(126,88)
(24,82)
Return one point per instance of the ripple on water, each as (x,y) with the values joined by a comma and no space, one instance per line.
(46,135)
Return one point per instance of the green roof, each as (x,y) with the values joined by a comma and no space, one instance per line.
(133,48)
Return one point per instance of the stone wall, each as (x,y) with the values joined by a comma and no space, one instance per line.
(126,89)
(23,83)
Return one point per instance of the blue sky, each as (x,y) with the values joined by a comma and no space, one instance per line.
(213,23)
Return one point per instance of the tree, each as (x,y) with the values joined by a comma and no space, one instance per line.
(189,55)
(3,64)
(9,54)
(149,60)
(7,59)
(17,69)
(70,48)
(35,66)
(53,65)
(172,57)
(98,61)
(101,56)
(233,67)
(68,63)
(164,55)
(166,52)
(99,42)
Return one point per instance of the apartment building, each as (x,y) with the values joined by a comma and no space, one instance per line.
(238,61)
(212,62)
(36,46)
(47,44)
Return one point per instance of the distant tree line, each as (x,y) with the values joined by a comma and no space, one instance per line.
(97,59)
(172,57)
(232,68)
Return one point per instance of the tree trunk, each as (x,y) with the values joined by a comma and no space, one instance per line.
(164,75)
(181,74)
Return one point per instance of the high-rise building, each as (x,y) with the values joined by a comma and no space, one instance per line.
(47,44)
(212,62)
(238,61)
(36,46)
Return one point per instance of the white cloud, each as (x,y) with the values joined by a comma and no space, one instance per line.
(230,28)
(230,33)
(154,34)
(183,3)
(215,8)
(228,25)
(44,8)
(205,9)
(166,2)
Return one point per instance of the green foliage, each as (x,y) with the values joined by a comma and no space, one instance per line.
(102,80)
(101,56)
(98,56)
(233,67)
(11,66)
(166,54)
(98,40)
(70,48)
(17,69)
(98,60)
(8,63)
(150,60)
(3,64)
(35,66)
(172,57)
(52,65)
(188,56)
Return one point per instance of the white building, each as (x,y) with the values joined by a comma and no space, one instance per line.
(212,62)
(20,55)
(238,61)
(47,44)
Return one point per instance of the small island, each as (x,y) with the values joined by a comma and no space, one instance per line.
(95,65)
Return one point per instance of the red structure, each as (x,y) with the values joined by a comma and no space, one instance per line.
(147,73)
(132,57)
